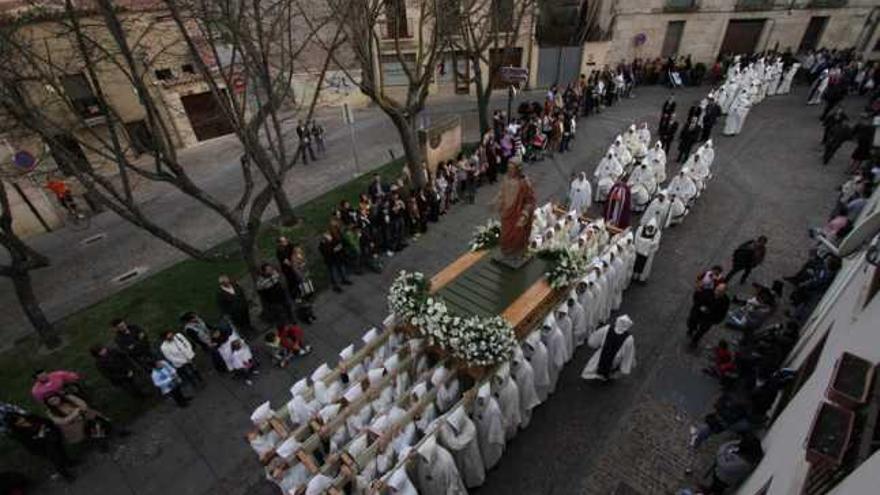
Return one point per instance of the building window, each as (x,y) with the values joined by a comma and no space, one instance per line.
(188,69)
(395,19)
(164,74)
(674,30)
(449,17)
(393,73)
(82,97)
(502,15)
(754,4)
(680,5)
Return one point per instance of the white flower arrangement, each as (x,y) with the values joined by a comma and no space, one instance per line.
(476,341)
(486,236)
(568,265)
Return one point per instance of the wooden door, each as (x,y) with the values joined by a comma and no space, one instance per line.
(742,36)
(206,116)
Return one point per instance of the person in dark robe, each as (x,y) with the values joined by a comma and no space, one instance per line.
(491,161)
(233,303)
(833,119)
(710,309)
(615,355)
(710,117)
(668,107)
(688,137)
(516,202)
(618,207)
(667,132)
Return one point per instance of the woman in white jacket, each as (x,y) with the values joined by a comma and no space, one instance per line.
(178,351)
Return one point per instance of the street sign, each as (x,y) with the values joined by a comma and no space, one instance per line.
(513,75)
(347,114)
(24,160)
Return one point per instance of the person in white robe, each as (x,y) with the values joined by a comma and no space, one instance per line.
(656,159)
(618,268)
(507,395)
(556,351)
(736,117)
(615,354)
(817,90)
(578,319)
(302,411)
(436,473)
(642,184)
(448,391)
(290,479)
(538,358)
(381,404)
(682,191)
(624,156)
(606,174)
(490,427)
(647,242)
(787,79)
(628,252)
(634,143)
(658,209)
(458,434)
(580,197)
(565,326)
(429,412)
(698,173)
(586,290)
(645,135)
(399,483)
(318,484)
(524,376)
(603,299)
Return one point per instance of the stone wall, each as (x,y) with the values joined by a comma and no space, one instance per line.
(24,221)
(705,29)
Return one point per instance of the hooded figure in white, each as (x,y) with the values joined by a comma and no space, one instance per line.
(301,411)
(628,252)
(657,160)
(618,269)
(736,117)
(647,243)
(615,355)
(581,194)
(658,210)
(400,484)
(556,349)
(606,174)
(698,174)
(817,90)
(490,427)
(539,359)
(683,190)
(429,413)
(578,319)
(318,484)
(707,154)
(565,326)
(524,376)
(645,135)
(459,435)
(603,292)
(448,391)
(785,84)
(586,290)
(624,156)
(634,144)
(507,396)
(642,184)
(436,471)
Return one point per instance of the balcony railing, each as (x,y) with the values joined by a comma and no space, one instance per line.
(681,6)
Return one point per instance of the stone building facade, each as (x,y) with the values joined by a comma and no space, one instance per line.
(705,29)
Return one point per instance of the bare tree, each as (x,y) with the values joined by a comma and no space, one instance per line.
(24,259)
(228,43)
(378,32)
(486,30)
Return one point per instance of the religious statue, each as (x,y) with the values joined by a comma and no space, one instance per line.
(516,203)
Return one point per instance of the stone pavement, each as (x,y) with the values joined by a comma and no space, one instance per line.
(592,436)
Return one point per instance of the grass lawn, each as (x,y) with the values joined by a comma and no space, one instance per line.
(155,303)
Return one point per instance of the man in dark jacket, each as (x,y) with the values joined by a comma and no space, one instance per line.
(688,137)
(41,437)
(334,257)
(668,129)
(710,308)
(747,257)
(233,303)
(118,370)
(132,340)
(710,117)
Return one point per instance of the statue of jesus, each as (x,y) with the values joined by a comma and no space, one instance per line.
(516,203)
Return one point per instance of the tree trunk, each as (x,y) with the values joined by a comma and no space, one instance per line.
(247,244)
(411,149)
(21,280)
(484,92)
(286,215)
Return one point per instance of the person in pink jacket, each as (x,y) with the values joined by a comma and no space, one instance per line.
(47,383)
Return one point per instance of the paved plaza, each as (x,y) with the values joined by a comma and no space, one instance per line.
(586,438)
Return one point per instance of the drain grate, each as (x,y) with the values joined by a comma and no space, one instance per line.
(93,239)
(129,275)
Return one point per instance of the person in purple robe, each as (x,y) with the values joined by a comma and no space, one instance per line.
(618,207)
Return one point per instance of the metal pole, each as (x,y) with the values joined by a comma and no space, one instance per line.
(354,153)
(509,101)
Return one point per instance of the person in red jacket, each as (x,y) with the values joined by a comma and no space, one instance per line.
(48,383)
(292,338)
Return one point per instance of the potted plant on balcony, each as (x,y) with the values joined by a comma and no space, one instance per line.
(830,434)
(850,383)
